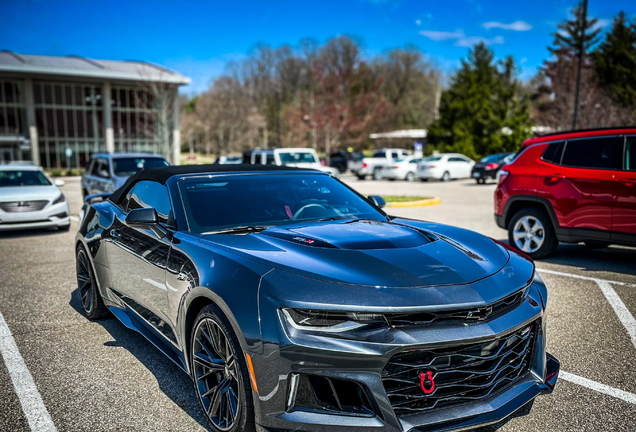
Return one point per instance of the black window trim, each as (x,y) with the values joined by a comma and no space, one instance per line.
(565,146)
(626,137)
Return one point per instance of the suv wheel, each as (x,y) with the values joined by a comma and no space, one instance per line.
(531,231)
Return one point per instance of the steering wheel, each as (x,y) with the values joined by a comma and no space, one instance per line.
(317,208)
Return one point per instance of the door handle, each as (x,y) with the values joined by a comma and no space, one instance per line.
(115,234)
(628,181)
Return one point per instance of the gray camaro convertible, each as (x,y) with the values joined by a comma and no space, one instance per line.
(295,303)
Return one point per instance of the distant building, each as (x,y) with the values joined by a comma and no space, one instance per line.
(57,111)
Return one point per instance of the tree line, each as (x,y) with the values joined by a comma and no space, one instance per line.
(333,96)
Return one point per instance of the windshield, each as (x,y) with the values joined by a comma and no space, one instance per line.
(23,178)
(123,167)
(297,157)
(432,159)
(492,158)
(269,200)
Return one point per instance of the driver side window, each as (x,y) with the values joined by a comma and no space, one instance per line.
(146,194)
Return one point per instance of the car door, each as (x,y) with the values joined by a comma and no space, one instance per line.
(582,188)
(455,167)
(624,211)
(137,257)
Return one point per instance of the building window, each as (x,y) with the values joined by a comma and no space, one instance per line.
(139,115)
(68,116)
(12,108)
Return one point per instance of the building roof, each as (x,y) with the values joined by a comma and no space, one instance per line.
(406,133)
(84,67)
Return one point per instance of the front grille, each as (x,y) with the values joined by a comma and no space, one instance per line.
(461,374)
(474,314)
(23,206)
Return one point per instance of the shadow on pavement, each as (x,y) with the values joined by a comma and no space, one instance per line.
(615,259)
(31,232)
(174,383)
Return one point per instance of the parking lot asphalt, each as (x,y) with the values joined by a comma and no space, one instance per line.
(100,376)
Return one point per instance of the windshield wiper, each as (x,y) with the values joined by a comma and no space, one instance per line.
(238,230)
(334,218)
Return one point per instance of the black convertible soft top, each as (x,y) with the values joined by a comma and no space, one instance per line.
(162,174)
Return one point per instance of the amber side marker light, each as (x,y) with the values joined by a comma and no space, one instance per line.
(250,368)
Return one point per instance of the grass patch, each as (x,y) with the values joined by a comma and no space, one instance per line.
(403,198)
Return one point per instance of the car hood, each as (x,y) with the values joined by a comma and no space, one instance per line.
(29,193)
(397,254)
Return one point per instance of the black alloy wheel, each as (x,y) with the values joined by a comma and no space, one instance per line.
(90,297)
(220,373)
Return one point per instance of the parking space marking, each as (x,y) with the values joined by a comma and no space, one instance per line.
(601,388)
(75,218)
(558,273)
(622,312)
(32,405)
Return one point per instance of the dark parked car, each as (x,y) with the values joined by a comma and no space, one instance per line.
(294,303)
(106,172)
(570,187)
(340,159)
(489,166)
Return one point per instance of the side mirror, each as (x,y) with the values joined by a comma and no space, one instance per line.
(59,182)
(377,200)
(142,217)
(145,218)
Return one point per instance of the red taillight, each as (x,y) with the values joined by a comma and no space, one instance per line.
(491,166)
(323,162)
(364,165)
(503,175)
(394,167)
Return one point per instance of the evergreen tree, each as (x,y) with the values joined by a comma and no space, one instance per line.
(483,111)
(576,34)
(615,61)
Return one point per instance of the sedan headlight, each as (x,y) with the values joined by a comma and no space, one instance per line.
(332,321)
(59,199)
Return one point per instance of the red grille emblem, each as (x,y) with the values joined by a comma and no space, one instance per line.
(427,382)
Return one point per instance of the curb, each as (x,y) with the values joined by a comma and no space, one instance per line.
(420,203)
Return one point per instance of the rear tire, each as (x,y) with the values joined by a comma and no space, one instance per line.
(220,375)
(90,297)
(531,231)
(410,176)
(377,174)
(480,181)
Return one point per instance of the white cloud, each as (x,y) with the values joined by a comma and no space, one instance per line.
(418,22)
(602,22)
(516,26)
(473,40)
(441,35)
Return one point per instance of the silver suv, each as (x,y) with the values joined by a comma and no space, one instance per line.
(106,172)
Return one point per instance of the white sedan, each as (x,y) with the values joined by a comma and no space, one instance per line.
(444,167)
(401,169)
(30,199)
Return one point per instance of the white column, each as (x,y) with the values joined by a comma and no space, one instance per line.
(176,131)
(107,106)
(31,123)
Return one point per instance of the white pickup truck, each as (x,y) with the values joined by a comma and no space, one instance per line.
(295,157)
(373,166)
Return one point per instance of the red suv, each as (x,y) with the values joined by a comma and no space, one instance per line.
(570,187)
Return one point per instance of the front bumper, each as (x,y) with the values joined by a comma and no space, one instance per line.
(51,216)
(362,360)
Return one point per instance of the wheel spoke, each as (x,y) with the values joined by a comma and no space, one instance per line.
(207,363)
(526,246)
(518,235)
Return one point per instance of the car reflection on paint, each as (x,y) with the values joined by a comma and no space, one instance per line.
(294,303)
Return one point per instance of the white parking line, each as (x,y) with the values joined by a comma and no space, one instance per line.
(601,388)
(75,218)
(558,273)
(30,399)
(624,315)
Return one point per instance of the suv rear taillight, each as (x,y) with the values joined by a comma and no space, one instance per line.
(503,175)
(491,166)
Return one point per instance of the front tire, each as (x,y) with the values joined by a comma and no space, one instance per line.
(220,374)
(445,177)
(530,230)
(90,297)
(410,176)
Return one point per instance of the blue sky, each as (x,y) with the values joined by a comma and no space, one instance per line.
(197,39)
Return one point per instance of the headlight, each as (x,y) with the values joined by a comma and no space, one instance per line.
(59,199)
(332,321)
